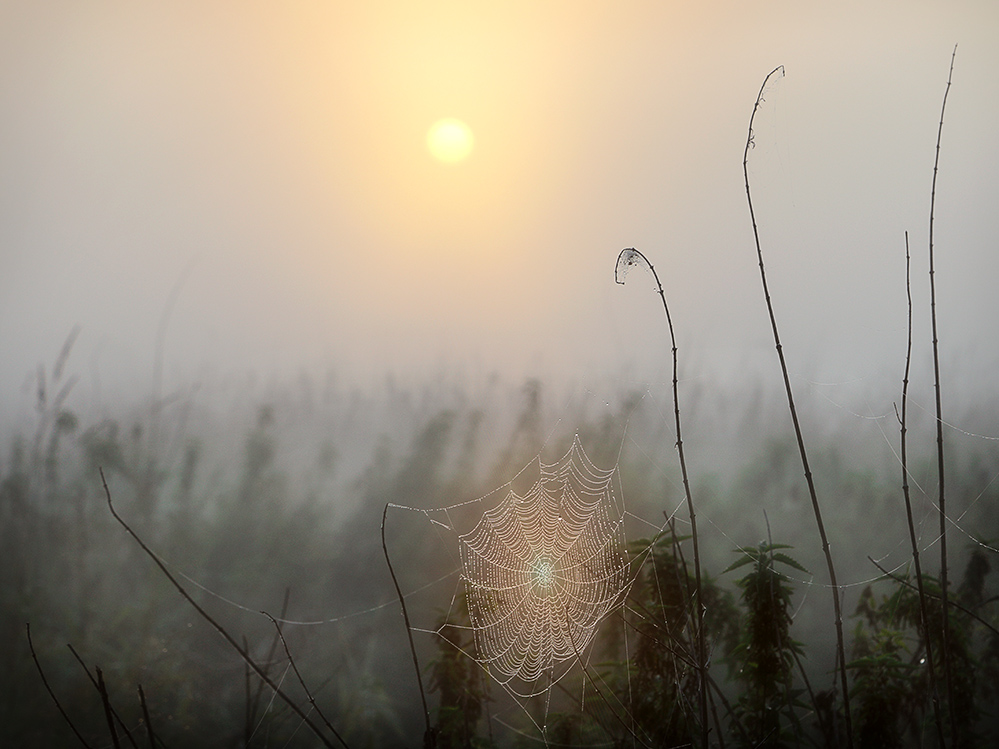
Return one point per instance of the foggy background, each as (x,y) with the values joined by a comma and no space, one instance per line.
(227,252)
(247,188)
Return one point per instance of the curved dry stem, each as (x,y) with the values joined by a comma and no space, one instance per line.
(834,586)
(429,738)
(625,259)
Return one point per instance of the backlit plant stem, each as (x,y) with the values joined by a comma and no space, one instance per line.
(903,451)
(941,499)
(699,607)
(840,649)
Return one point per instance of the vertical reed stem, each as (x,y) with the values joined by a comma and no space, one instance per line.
(698,604)
(942,497)
(840,649)
(923,615)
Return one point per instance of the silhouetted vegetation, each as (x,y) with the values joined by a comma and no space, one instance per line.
(250,537)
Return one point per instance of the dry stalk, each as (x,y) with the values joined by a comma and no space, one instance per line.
(834,586)
(923,616)
(625,259)
(942,497)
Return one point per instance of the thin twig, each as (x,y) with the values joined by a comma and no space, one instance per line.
(683,579)
(826,730)
(294,666)
(597,689)
(96,686)
(108,712)
(903,454)
(834,586)
(45,681)
(429,737)
(252,707)
(243,653)
(942,498)
(146,719)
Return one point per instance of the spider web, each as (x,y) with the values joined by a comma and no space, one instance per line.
(542,566)
(542,570)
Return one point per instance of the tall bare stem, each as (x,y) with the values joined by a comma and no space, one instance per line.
(942,497)
(840,649)
(625,260)
(903,451)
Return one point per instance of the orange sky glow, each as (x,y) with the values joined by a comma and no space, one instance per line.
(267,164)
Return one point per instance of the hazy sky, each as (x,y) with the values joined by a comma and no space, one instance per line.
(264,166)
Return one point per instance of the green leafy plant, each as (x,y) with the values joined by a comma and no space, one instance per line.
(889,680)
(766,652)
(895,656)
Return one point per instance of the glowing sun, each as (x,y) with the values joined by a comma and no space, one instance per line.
(450,140)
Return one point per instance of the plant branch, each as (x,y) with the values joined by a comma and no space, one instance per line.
(97,686)
(108,711)
(923,615)
(45,681)
(953,604)
(834,586)
(624,260)
(294,666)
(243,653)
(146,719)
(942,497)
(253,705)
(429,738)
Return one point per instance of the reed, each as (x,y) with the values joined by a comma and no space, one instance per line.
(834,586)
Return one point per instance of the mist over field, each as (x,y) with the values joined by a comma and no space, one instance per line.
(246,192)
(235,279)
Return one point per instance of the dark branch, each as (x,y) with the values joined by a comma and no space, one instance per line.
(429,738)
(834,586)
(243,653)
(45,681)
(294,666)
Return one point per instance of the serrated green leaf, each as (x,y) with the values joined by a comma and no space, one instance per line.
(790,562)
(771,547)
(738,563)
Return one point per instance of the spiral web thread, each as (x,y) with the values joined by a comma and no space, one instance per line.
(542,570)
